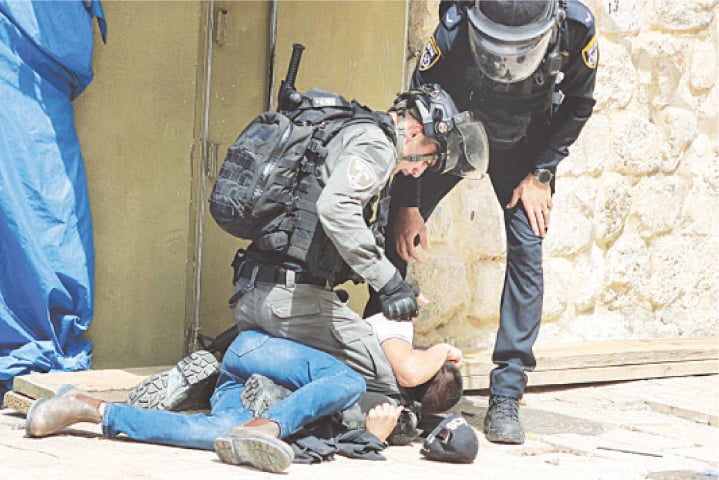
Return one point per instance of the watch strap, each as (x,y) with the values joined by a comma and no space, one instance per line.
(543,175)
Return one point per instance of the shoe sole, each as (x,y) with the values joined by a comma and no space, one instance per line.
(260,394)
(168,390)
(497,437)
(258,452)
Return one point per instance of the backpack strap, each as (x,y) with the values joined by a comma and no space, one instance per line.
(362,114)
(329,113)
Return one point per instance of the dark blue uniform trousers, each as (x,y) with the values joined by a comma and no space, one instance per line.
(521,304)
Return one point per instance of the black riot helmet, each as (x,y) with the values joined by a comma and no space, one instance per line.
(509,38)
(462,146)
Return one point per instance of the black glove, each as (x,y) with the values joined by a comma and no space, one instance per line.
(399,299)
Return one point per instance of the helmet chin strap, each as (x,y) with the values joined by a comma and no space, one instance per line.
(424,157)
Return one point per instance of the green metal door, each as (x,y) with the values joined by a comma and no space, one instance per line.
(352,47)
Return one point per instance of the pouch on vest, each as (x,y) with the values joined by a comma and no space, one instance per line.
(266,190)
(256,182)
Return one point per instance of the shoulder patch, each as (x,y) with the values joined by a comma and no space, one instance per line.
(430,55)
(360,174)
(590,53)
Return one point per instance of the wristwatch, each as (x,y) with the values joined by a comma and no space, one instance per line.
(543,175)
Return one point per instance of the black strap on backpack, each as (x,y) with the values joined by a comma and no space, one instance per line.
(328,113)
(267,188)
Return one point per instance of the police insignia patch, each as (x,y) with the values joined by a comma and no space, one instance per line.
(590,53)
(359,174)
(430,55)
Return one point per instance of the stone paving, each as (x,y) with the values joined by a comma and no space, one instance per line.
(662,429)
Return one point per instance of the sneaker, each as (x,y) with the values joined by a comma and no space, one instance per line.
(188,385)
(501,423)
(254,446)
(261,393)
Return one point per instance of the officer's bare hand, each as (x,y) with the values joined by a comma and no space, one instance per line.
(409,225)
(537,201)
(382,419)
(454,355)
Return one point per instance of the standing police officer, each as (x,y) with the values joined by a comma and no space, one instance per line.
(290,297)
(527,69)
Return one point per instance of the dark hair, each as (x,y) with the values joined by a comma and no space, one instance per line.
(441,392)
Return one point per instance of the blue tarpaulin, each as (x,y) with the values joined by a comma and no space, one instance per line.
(46,246)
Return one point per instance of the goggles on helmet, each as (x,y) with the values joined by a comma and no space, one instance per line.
(510,53)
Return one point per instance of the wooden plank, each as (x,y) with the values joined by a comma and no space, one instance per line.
(576,376)
(17,401)
(611,353)
(111,385)
(590,362)
(628,352)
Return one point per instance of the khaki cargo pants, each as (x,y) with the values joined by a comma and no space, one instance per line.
(315,316)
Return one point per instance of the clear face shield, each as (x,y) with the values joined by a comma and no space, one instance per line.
(509,54)
(466,149)
(507,63)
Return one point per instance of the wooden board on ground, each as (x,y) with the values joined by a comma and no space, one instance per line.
(111,385)
(591,362)
(17,401)
(609,361)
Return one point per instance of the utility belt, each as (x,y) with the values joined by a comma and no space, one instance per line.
(248,269)
(258,272)
(246,273)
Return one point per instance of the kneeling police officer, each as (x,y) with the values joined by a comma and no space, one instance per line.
(287,297)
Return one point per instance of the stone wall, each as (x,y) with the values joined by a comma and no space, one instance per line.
(633,247)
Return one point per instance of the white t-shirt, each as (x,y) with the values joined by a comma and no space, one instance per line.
(385,328)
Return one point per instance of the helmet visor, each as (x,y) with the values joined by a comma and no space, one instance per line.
(506,62)
(510,53)
(467,148)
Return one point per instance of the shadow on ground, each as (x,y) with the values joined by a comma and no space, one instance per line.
(536,421)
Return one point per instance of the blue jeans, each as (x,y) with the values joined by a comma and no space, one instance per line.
(321,386)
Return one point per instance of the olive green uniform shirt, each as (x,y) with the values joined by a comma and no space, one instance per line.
(360,162)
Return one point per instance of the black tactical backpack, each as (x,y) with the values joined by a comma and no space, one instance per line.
(267,188)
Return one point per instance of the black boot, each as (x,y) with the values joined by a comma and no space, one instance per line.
(501,423)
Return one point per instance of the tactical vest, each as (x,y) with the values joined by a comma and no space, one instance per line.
(274,205)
